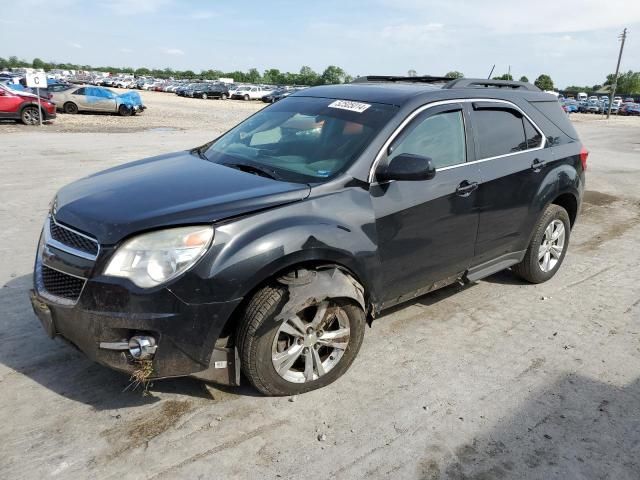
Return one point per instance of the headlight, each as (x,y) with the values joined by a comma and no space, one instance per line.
(154,258)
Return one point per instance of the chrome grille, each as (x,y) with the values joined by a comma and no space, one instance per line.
(61,284)
(72,239)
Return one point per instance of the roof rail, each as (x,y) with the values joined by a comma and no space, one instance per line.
(391,78)
(487,83)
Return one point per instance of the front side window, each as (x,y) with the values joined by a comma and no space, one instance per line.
(302,139)
(440,137)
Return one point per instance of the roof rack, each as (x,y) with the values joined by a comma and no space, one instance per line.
(487,83)
(391,78)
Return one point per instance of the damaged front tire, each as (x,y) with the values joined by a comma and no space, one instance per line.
(290,344)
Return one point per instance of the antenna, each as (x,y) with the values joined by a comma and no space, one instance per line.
(494,66)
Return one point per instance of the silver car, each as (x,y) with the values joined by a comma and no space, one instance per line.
(88,98)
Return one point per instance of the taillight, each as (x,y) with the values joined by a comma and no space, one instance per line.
(584,154)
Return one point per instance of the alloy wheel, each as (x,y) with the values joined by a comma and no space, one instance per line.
(551,246)
(30,116)
(311,343)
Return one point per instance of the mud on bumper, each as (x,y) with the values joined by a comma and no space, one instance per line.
(185,334)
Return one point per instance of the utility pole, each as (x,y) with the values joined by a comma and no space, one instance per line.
(615,80)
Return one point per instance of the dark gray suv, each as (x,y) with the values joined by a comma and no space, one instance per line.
(267,250)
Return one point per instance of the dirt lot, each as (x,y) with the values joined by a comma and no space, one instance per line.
(495,380)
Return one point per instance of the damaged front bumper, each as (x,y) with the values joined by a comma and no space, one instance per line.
(108,313)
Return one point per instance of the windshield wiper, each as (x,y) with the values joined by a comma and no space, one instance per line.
(255,169)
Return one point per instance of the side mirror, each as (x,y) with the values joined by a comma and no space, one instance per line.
(407,166)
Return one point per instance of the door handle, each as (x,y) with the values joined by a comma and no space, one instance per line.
(537,164)
(466,188)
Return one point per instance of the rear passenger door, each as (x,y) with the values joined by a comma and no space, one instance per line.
(513,161)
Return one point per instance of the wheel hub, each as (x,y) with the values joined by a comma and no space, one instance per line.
(310,339)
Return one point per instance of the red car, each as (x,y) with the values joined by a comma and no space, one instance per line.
(23,106)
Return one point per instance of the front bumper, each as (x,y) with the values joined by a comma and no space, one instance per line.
(109,310)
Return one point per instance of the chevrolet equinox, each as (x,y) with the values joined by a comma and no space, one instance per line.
(267,250)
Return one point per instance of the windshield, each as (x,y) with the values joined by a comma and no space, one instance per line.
(302,139)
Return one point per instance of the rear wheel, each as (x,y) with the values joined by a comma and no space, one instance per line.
(30,115)
(308,348)
(70,107)
(548,246)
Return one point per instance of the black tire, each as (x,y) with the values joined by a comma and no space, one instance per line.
(247,97)
(256,334)
(30,115)
(125,111)
(529,269)
(223,96)
(70,108)
(204,96)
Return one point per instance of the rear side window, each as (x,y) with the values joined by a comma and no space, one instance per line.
(440,136)
(554,113)
(499,132)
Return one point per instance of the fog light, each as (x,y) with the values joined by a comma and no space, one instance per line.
(142,347)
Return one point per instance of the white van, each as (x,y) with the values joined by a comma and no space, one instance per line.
(582,96)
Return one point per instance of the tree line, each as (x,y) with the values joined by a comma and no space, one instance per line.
(306,76)
(628,82)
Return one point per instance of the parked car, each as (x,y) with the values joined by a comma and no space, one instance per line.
(570,106)
(251,93)
(593,106)
(210,90)
(88,98)
(268,249)
(23,106)
(185,90)
(629,99)
(276,95)
(629,109)
(583,106)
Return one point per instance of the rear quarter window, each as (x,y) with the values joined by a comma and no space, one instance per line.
(554,113)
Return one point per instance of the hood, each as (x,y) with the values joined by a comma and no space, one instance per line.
(169,190)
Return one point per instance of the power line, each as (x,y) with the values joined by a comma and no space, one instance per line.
(615,79)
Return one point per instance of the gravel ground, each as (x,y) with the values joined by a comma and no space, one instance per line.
(496,380)
(165,112)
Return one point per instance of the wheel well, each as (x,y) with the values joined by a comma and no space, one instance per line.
(230,325)
(43,112)
(570,204)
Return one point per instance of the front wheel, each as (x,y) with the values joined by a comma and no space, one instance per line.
(204,96)
(246,97)
(223,96)
(305,348)
(548,246)
(125,111)
(30,115)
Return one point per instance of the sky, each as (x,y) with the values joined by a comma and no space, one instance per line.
(573,41)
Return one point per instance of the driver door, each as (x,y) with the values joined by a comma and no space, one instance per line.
(427,229)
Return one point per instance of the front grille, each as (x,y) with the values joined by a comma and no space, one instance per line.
(72,239)
(60,284)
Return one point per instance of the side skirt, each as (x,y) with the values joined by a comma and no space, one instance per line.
(493,266)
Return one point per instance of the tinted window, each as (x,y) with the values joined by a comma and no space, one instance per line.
(439,136)
(532,135)
(499,132)
(80,91)
(554,113)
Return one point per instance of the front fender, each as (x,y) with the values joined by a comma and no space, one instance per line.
(250,250)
